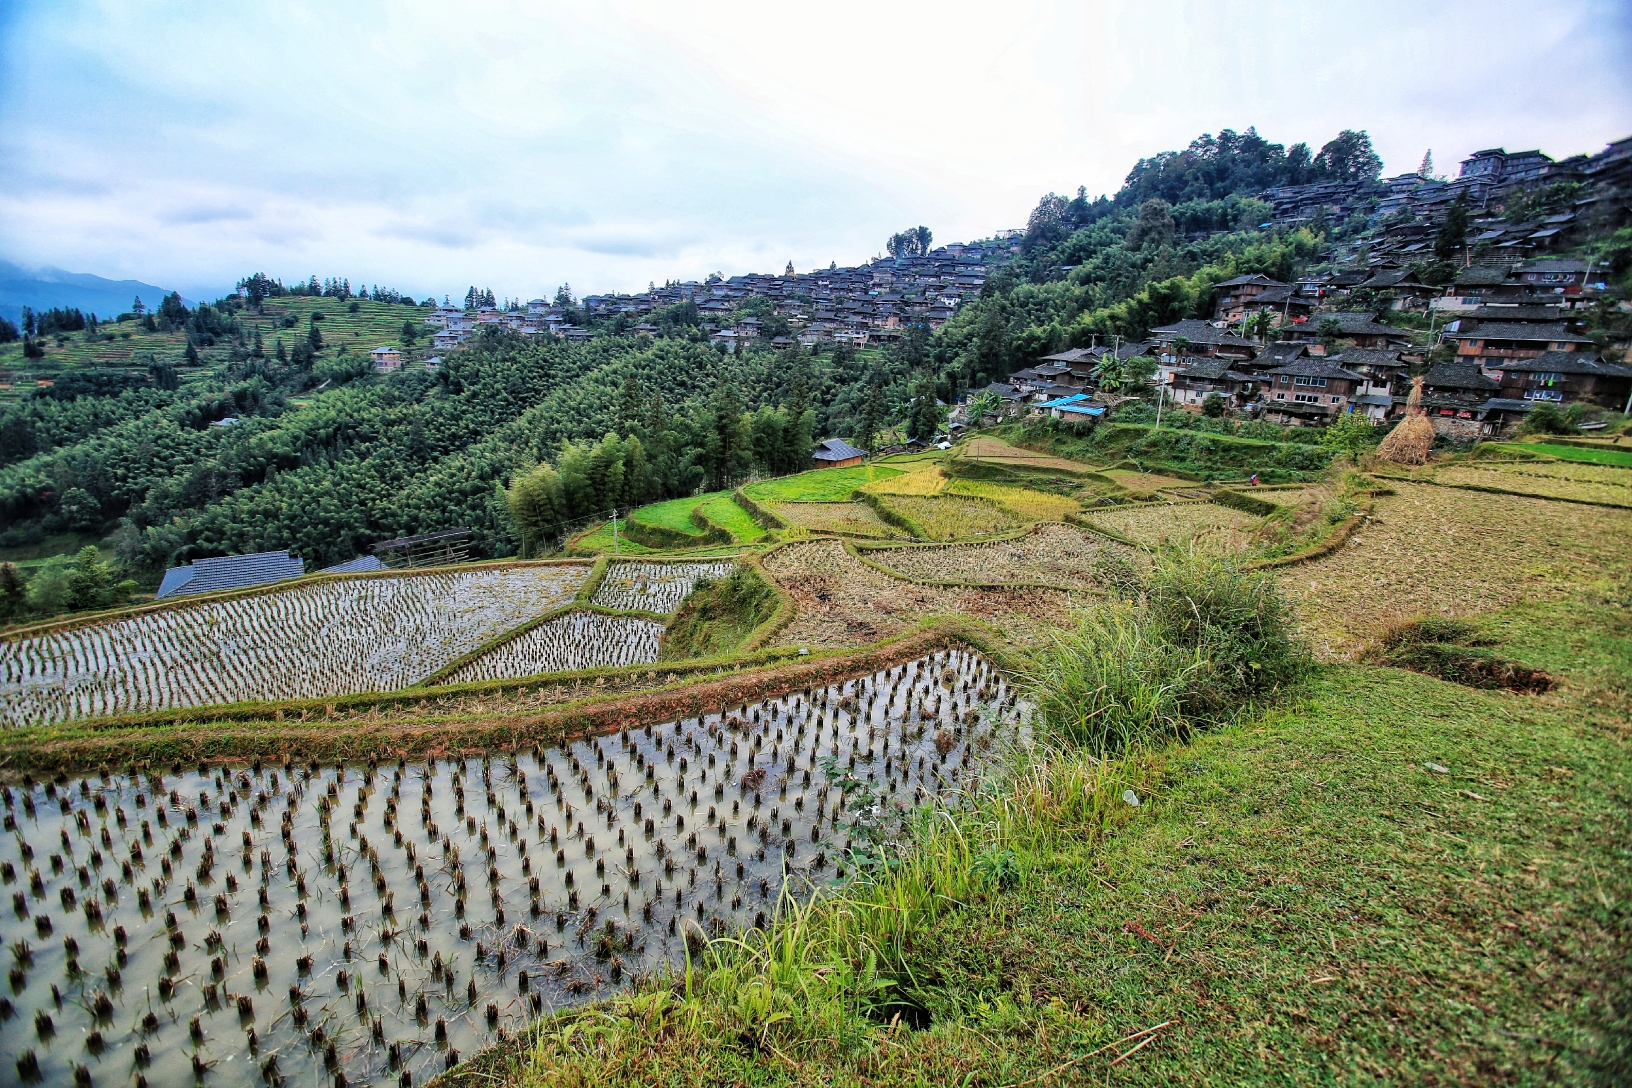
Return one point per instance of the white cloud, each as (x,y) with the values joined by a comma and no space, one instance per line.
(521,145)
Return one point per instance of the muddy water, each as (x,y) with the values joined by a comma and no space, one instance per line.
(375,924)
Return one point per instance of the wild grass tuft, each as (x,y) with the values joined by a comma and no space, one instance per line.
(1114,682)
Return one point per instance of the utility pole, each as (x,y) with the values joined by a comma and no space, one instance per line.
(614,530)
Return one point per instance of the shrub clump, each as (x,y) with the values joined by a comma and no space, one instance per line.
(719,615)
(1196,640)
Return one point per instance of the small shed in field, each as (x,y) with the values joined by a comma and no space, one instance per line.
(836,453)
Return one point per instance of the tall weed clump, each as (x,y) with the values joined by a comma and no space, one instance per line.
(1235,621)
(1114,682)
(1195,639)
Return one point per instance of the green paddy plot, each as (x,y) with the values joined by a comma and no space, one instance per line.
(722,510)
(1621,458)
(819,485)
(674,515)
(602,540)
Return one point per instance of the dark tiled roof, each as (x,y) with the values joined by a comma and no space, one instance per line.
(230,572)
(1256,277)
(1458,376)
(1518,330)
(1368,357)
(1279,355)
(1205,369)
(1566,362)
(1200,332)
(1506,404)
(1350,324)
(1075,355)
(1481,278)
(1317,368)
(836,449)
(1515,313)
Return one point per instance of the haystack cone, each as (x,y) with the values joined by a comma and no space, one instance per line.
(1410,442)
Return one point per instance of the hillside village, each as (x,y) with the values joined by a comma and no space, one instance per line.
(1512,317)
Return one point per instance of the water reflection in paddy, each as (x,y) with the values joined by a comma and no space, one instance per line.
(370,924)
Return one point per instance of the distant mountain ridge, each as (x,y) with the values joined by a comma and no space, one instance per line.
(43,288)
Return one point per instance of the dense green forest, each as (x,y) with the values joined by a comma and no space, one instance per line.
(620,419)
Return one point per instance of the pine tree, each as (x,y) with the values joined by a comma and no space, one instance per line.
(872,418)
(278,353)
(1426,170)
(138,307)
(191,354)
(259,350)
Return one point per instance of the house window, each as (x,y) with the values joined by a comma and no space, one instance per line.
(1318,383)
(1280,396)
(1337,400)
(1306,398)
(1546,377)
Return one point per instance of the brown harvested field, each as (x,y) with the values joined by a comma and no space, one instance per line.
(1443,551)
(841,601)
(995,449)
(851,518)
(1208,525)
(1147,481)
(1058,555)
(1553,479)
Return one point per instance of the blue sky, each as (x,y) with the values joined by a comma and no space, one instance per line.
(518,146)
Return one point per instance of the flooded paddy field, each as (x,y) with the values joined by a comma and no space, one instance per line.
(654,587)
(373,924)
(577,640)
(330,638)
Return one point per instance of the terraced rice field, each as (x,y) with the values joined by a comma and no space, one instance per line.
(841,601)
(577,640)
(206,927)
(1549,479)
(653,587)
(1056,555)
(1179,524)
(923,481)
(849,518)
(945,517)
(333,638)
(723,511)
(1023,501)
(1000,452)
(1468,552)
(603,541)
(674,515)
(1147,481)
(819,485)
